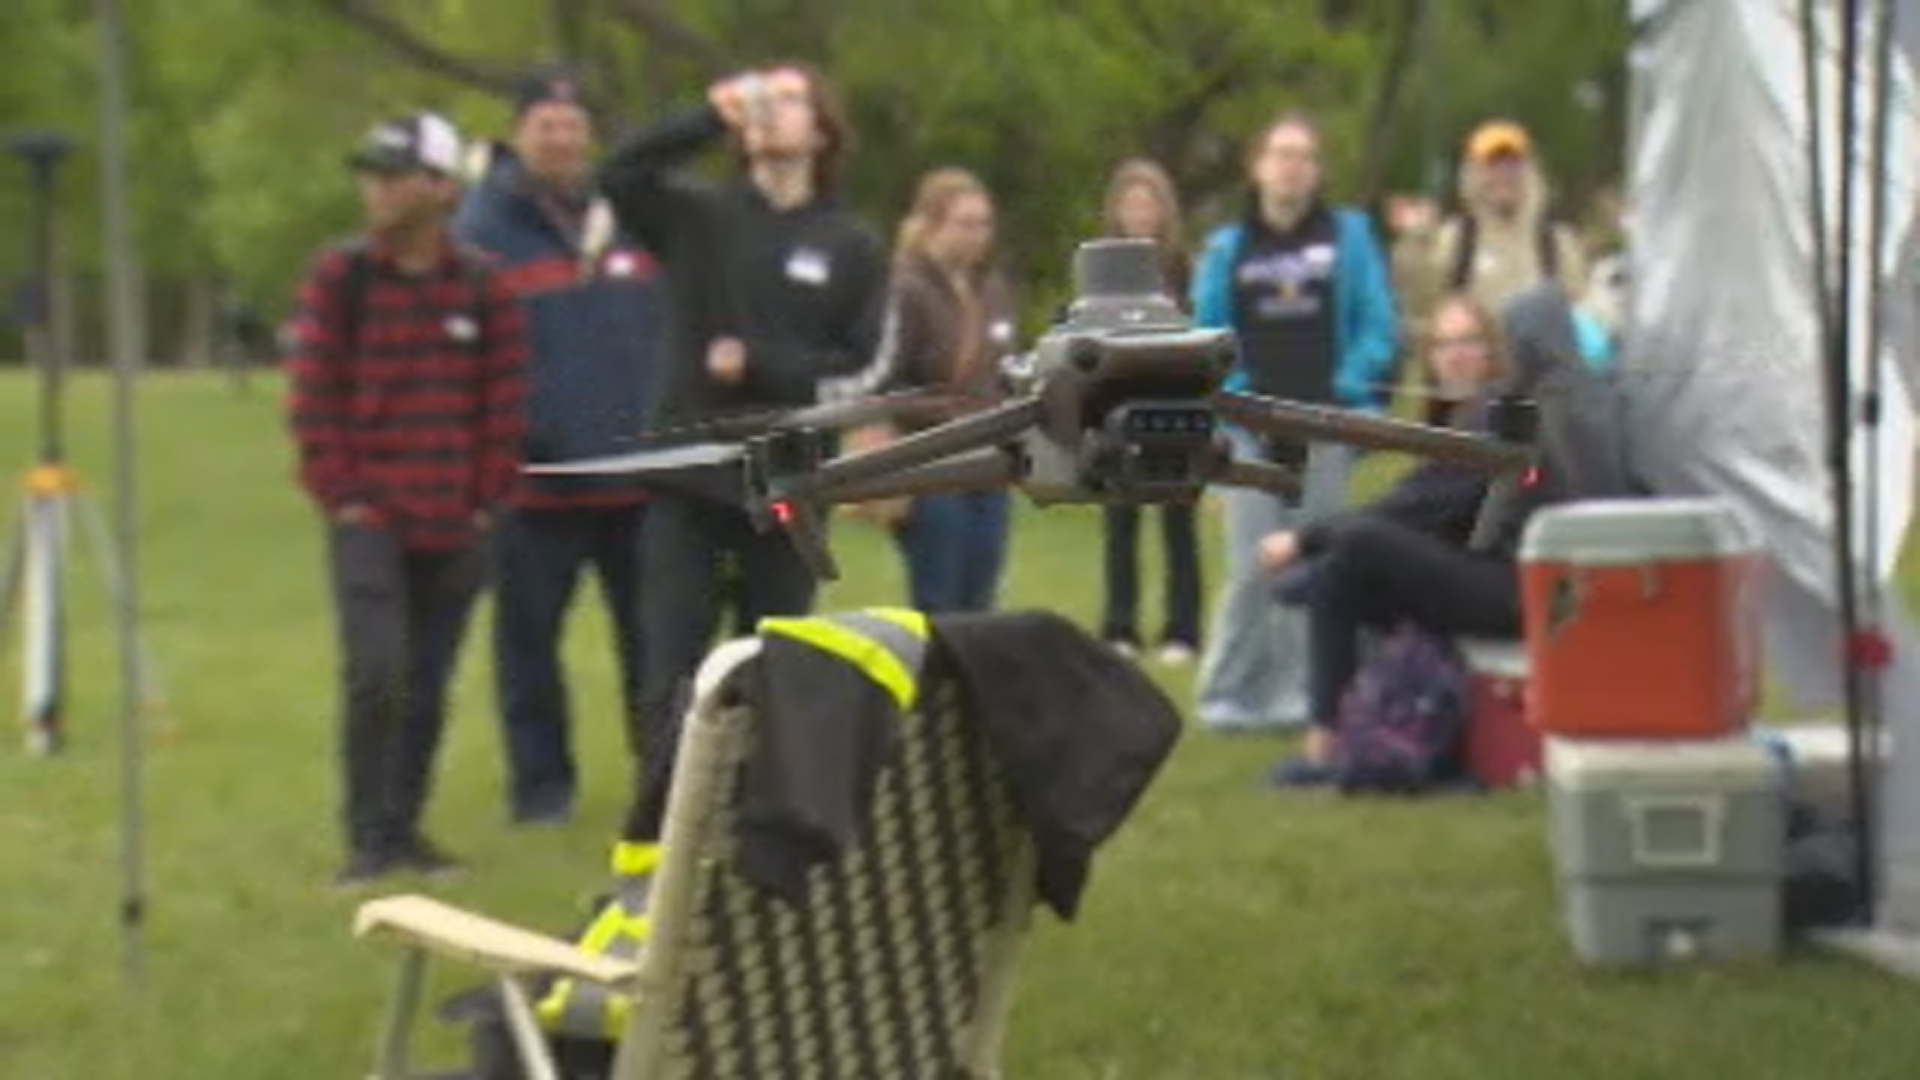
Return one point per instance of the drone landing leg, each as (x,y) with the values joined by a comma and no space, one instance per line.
(982,470)
(1319,423)
(1264,476)
(977,432)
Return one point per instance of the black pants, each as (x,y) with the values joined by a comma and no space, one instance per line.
(401,615)
(540,554)
(1378,572)
(1182,583)
(697,558)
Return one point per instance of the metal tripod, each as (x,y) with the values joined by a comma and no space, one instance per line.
(34,590)
(37,556)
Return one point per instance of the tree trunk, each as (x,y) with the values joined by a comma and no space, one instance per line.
(1389,90)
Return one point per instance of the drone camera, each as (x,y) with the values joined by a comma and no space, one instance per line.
(1157,449)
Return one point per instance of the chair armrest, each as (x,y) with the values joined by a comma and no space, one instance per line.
(502,947)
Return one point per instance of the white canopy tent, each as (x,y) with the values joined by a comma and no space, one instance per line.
(1729,365)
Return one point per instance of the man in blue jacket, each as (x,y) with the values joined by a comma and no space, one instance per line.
(1304,287)
(590,296)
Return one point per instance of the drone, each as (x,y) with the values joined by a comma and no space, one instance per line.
(1122,401)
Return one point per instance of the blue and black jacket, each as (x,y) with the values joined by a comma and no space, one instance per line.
(592,301)
(1364,323)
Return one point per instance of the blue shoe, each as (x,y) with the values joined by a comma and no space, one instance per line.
(1298,771)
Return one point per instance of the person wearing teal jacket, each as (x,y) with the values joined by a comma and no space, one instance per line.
(1304,287)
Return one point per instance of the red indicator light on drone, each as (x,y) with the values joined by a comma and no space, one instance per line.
(783,513)
(1530,477)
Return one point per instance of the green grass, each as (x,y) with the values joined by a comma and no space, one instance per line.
(1231,932)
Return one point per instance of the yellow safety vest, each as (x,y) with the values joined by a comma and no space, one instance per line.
(889,646)
(588,1010)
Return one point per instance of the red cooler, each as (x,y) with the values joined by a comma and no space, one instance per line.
(1504,748)
(1642,618)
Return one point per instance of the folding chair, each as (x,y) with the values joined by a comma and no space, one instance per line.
(899,965)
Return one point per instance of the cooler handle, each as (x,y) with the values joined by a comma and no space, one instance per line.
(1641,811)
(1571,589)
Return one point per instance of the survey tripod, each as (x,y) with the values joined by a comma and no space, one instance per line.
(33,584)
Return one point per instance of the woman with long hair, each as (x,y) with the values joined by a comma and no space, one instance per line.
(1303,285)
(951,322)
(1142,203)
(1407,556)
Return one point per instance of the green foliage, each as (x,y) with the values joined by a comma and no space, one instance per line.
(241,110)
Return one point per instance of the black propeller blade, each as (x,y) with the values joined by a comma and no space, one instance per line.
(641,462)
(852,412)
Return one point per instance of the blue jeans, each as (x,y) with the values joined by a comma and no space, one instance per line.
(955,547)
(542,554)
(1253,672)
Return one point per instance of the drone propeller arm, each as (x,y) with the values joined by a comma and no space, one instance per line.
(979,470)
(1318,423)
(1262,476)
(979,431)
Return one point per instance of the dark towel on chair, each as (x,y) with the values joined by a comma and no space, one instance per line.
(1079,731)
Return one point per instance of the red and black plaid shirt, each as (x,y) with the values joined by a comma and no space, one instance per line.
(416,415)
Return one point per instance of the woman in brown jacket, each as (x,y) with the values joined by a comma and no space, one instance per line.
(951,323)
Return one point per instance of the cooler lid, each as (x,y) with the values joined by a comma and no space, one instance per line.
(1738,761)
(1616,531)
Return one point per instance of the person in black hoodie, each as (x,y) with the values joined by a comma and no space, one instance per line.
(591,295)
(773,290)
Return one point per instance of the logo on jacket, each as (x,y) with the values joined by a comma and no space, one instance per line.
(630,264)
(462,329)
(809,266)
(1287,284)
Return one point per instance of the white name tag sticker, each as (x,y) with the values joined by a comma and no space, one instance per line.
(809,267)
(462,329)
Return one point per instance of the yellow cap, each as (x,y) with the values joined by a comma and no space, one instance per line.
(1497,137)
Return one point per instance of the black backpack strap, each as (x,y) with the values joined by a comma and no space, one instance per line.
(1463,253)
(1546,242)
(354,280)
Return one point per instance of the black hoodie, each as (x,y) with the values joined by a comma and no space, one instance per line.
(805,288)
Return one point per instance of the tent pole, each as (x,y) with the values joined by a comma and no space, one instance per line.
(1840,419)
(1872,396)
(126,346)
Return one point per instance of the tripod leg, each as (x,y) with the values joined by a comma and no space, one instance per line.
(44,663)
(106,558)
(13,567)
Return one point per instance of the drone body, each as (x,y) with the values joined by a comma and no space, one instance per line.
(1119,403)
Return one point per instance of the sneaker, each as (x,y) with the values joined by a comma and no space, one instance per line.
(1176,654)
(1124,647)
(424,856)
(544,812)
(1301,772)
(364,867)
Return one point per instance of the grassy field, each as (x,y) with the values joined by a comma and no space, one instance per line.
(1232,933)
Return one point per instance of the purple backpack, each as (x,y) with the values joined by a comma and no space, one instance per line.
(1403,721)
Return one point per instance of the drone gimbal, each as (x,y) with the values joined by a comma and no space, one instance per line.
(1122,402)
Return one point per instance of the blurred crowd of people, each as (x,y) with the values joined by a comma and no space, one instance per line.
(534,300)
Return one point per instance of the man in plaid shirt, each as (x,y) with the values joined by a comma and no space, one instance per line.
(406,389)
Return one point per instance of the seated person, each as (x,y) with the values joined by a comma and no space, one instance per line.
(1407,556)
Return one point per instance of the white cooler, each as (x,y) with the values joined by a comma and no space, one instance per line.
(1669,850)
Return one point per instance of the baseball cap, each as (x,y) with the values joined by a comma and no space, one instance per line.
(558,85)
(421,142)
(1497,137)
